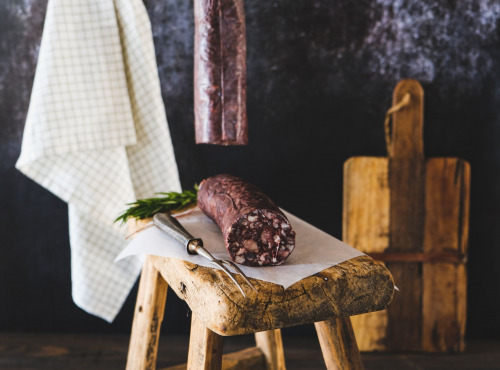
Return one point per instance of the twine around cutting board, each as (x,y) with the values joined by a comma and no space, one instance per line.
(387,126)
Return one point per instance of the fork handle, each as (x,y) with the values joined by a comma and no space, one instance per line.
(173,228)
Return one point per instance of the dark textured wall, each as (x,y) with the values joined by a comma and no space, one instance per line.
(320,77)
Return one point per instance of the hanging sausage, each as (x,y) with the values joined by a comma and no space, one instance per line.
(220,72)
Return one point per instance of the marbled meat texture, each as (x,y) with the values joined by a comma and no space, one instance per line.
(255,230)
(220,72)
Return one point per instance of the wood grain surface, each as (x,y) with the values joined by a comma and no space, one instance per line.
(415,208)
(355,286)
(148,316)
(406,216)
(271,345)
(205,347)
(338,344)
(444,288)
(366,227)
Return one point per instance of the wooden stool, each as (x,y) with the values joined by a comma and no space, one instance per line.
(326,299)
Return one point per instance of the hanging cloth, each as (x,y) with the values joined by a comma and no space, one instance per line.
(96,136)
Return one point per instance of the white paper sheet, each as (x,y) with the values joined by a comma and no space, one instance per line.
(314,250)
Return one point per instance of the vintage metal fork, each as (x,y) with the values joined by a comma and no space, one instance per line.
(173,228)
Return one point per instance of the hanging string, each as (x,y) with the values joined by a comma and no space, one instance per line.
(387,127)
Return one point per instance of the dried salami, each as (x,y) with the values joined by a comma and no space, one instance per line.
(220,72)
(255,230)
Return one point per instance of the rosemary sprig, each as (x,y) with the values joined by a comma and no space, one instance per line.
(171,201)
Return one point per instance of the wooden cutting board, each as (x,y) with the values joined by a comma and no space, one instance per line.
(413,214)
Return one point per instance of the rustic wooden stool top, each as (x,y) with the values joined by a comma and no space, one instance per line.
(350,288)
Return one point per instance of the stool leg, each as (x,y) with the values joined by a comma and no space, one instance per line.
(338,344)
(271,345)
(205,347)
(148,316)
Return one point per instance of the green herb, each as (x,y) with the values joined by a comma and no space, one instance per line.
(172,201)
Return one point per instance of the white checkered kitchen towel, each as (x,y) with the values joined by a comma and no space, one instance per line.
(96,135)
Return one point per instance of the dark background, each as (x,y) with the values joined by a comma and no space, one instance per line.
(320,78)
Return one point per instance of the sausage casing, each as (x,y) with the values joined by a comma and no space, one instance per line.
(220,72)
(256,232)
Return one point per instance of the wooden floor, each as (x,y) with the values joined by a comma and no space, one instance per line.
(108,352)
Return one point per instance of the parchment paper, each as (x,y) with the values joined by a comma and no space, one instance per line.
(314,250)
